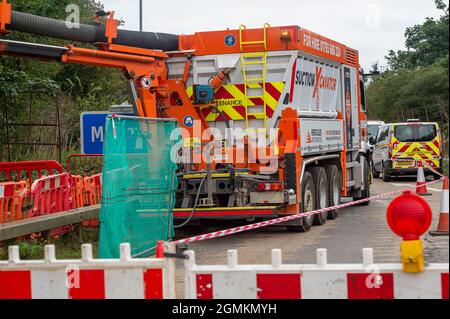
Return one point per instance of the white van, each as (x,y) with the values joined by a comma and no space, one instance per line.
(372,132)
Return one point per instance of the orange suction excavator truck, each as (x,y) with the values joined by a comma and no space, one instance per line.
(272,119)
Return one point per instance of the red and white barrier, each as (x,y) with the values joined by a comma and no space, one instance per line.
(319,281)
(50,194)
(88,278)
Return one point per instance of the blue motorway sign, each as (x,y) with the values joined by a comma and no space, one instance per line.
(92,128)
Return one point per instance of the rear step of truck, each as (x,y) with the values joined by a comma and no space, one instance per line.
(228,212)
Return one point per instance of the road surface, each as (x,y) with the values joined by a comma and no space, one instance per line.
(354,229)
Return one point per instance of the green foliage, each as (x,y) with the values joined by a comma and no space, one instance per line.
(401,94)
(76,88)
(56,8)
(14,81)
(68,245)
(425,43)
(417,83)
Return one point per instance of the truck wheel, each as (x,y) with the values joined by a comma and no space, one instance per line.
(321,189)
(334,189)
(308,204)
(375,173)
(386,174)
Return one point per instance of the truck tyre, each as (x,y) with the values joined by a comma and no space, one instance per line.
(386,174)
(308,204)
(375,173)
(334,189)
(322,198)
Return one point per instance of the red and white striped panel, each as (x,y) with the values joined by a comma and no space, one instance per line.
(50,194)
(94,284)
(52,182)
(7,189)
(320,281)
(124,278)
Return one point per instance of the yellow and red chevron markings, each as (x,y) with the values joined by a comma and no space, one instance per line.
(428,152)
(230,101)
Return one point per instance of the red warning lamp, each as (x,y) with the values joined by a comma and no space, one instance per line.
(409,216)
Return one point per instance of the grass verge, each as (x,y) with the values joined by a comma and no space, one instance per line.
(67,246)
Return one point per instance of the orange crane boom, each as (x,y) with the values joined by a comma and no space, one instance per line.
(311,97)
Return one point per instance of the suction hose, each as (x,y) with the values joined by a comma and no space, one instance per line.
(88,33)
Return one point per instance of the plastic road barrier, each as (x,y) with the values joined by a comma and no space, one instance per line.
(93,195)
(319,281)
(93,189)
(12,200)
(77,191)
(50,194)
(87,278)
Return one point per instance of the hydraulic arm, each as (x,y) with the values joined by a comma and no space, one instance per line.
(143,57)
(140,55)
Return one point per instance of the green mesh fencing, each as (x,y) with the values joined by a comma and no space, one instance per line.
(138,185)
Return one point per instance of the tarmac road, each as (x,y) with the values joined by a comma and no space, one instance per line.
(355,228)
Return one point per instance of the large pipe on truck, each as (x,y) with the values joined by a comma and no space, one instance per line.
(88,33)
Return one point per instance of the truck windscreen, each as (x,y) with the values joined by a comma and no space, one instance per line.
(415,133)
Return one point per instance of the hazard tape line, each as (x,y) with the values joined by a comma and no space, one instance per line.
(432,169)
(241,229)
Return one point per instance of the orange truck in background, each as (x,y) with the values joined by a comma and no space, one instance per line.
(272,119)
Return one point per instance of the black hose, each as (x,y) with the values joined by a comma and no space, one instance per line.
(87,33)
(52,28)
(195,205)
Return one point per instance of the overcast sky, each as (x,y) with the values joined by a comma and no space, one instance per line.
(371,26)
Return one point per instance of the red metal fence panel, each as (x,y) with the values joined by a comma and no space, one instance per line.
(29,170)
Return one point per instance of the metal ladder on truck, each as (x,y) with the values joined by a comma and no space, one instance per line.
(252,62)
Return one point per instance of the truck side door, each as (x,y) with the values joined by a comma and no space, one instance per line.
(351,107)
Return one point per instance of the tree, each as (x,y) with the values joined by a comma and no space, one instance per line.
(78,88)
(417,82)
(425,43)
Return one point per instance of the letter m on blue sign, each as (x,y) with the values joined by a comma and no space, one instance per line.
(92,129)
